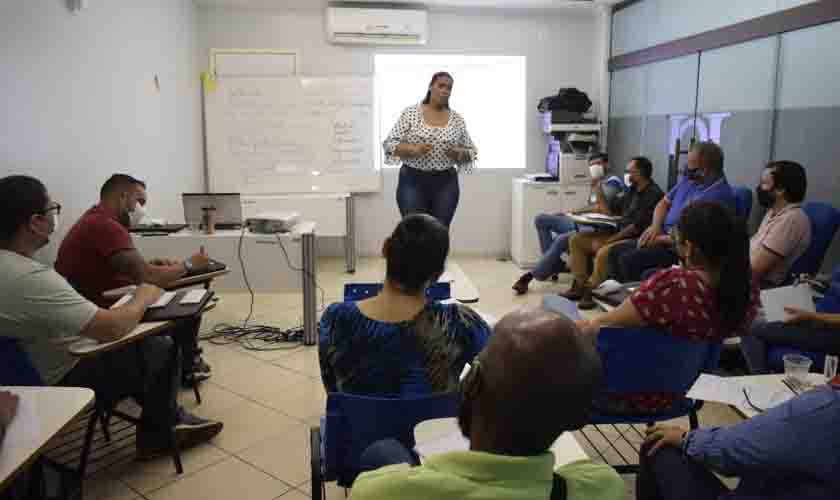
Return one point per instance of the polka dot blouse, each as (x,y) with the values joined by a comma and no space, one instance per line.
(412,129)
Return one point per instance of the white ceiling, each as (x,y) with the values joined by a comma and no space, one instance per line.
(504,4)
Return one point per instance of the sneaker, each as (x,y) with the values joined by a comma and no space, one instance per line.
(575,292)
(190,431)
(586,302)
(521,285)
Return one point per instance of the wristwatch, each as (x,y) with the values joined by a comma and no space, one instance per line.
(188,265)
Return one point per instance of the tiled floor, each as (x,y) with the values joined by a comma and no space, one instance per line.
(268,400)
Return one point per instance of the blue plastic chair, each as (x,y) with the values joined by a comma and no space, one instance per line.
(355,422)
(354,292)
(825,220)
(743,201)
(15,366)
(640,360)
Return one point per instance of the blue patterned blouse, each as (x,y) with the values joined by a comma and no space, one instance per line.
(412,358)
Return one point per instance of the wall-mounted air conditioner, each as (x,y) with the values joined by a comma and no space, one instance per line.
(363,26)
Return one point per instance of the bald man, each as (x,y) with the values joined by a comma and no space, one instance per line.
(533,381)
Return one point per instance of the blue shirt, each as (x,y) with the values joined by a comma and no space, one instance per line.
(789,452)
(425,355)
(687,192)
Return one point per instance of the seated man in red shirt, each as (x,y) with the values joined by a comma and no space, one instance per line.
(98,254)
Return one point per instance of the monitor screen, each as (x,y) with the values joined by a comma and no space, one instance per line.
(228,207)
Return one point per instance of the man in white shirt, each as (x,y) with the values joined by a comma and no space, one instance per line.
(45,315)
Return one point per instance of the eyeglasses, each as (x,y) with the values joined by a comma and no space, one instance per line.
(56,207)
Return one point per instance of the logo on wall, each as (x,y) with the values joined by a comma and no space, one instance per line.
(707,125)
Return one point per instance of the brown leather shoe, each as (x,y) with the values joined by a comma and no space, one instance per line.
(575,292)
(586,302)
(521,285)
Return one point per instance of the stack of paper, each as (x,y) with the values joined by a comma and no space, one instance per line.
(739,392)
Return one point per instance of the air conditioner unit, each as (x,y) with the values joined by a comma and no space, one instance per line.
(363,26)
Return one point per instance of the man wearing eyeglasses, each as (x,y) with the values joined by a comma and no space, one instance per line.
(44,314)
(703,180)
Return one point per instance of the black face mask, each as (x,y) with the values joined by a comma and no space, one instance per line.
(693,174)
(765,198)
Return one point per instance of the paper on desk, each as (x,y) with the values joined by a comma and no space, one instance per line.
(561,305)
(774,300)
(25,428)
(731,391)
(603,217)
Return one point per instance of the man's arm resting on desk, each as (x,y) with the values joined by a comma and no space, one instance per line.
(109,325)
(794,436)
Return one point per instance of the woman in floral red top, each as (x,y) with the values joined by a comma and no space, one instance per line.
(711,295)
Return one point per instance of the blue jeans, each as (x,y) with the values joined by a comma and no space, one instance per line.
(387,452)
(552,248)
(433,193)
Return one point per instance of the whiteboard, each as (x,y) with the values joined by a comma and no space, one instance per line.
(291,135)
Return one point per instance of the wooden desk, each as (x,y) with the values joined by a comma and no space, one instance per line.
(463,290)
(445,431)
(42,413)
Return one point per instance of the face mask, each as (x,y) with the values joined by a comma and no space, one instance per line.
(765,198)
(627,181)
(693,174)
(596,171)
(137,214)
(55,221)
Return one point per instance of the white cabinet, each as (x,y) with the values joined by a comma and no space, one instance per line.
(531,199)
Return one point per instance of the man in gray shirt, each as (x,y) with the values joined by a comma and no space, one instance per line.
(45,314)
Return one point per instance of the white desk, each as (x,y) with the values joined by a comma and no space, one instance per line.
(264,256)
(265,263)
(772,381)
(42,413)
(446,433)
(85,347)
(334,213)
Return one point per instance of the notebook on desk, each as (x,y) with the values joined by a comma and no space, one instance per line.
(173,305)
(615,296)
(212,267)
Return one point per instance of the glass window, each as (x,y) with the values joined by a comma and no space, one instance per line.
(497,131)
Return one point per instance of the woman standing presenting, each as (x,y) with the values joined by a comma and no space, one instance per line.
(432,143)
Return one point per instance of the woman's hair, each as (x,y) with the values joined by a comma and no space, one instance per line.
(722,239)
(415,252)
(435,77)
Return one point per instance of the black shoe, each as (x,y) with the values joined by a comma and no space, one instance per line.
(189,380)
(190,431)
(521,285)
(586,302)
(201,366)
(575,292)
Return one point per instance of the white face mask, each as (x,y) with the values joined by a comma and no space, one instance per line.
(137,214)
(627,180)
(55,221)
(596,171)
